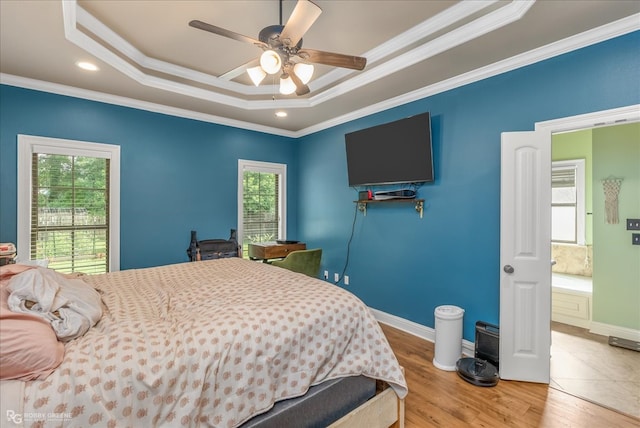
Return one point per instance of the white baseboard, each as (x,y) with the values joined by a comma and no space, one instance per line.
(614,330)
(419,330)
(566,319)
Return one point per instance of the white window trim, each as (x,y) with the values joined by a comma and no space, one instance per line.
(267,167)
(581,211)
(29,144)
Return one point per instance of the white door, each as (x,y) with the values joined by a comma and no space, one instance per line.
(525,256)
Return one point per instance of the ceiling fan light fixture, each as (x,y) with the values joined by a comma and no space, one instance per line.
(287,86)
(303,71)
(282,50)
(256,74)
(270,62)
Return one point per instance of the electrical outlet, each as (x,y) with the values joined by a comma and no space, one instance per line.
(633,224)
(326,275)
(346,280)
(336,277)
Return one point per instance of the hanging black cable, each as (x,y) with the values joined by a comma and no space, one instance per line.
(353,227)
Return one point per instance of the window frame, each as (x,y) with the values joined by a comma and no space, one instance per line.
(265,167)
(581,212)
(29,144)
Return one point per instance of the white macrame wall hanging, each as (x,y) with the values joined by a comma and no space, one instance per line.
(611,187)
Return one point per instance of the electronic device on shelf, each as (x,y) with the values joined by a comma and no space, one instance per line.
(365,195)
(395,194)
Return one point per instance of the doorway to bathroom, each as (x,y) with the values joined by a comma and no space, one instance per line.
(596,270)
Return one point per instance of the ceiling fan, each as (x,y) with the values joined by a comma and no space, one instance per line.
(283,52)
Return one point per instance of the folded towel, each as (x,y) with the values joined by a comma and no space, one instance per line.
(70,305)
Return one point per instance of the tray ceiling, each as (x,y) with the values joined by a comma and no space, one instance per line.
(149,57)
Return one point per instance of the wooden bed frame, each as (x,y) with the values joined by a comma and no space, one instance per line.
(384,410)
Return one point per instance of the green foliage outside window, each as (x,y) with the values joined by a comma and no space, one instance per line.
(260,207)
(70,214)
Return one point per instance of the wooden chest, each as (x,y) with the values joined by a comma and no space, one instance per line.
(273,250)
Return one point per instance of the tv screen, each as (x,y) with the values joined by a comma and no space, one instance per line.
(395,152)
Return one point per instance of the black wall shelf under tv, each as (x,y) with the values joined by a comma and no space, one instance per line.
(362,204)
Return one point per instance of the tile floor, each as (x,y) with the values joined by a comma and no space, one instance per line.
(585,365)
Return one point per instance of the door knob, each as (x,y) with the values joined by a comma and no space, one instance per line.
(508,269)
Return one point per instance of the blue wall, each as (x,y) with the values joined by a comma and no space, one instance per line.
(407,266)
(180,174)
(177,174)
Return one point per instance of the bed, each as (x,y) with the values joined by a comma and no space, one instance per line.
(214,343)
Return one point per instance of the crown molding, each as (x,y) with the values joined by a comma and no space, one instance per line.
(71,91)
(485,24)
(70,12)
(74,14)
(114,40)
(597,35)
(422,30)
(600,34)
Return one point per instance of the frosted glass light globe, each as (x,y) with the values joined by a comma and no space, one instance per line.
(270,62)
(303,71)
(286,85)
(256,74)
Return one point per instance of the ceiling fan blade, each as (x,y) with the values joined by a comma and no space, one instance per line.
(226,33)
(301,88)
(302,18)
(334,59)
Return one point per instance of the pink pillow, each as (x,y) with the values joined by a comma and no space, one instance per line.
(29,348)
(7,271)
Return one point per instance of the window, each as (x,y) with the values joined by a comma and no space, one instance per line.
(261,202)
(68,204)
(568,201)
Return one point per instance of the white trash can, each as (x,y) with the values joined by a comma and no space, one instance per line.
(448,343)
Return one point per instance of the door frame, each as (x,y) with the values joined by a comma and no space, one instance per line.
(598,119)
(616,116)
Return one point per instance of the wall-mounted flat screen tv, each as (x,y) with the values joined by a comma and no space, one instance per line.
(395,152)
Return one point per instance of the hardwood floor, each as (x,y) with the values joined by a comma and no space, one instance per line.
(439,398)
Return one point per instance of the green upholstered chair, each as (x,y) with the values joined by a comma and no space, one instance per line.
(303,261)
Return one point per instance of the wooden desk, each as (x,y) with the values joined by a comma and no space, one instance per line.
(273,250)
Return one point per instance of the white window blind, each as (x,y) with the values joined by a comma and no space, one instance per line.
(568,202)
(70,212)
(262,196)
(68,204)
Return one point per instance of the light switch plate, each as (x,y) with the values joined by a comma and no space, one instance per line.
(633,224)
(635,238)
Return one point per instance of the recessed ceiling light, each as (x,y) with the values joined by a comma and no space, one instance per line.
(87,66)
(281,113)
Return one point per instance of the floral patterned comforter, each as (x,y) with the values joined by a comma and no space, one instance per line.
(209,343)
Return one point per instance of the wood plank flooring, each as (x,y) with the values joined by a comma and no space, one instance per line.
(439,398)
